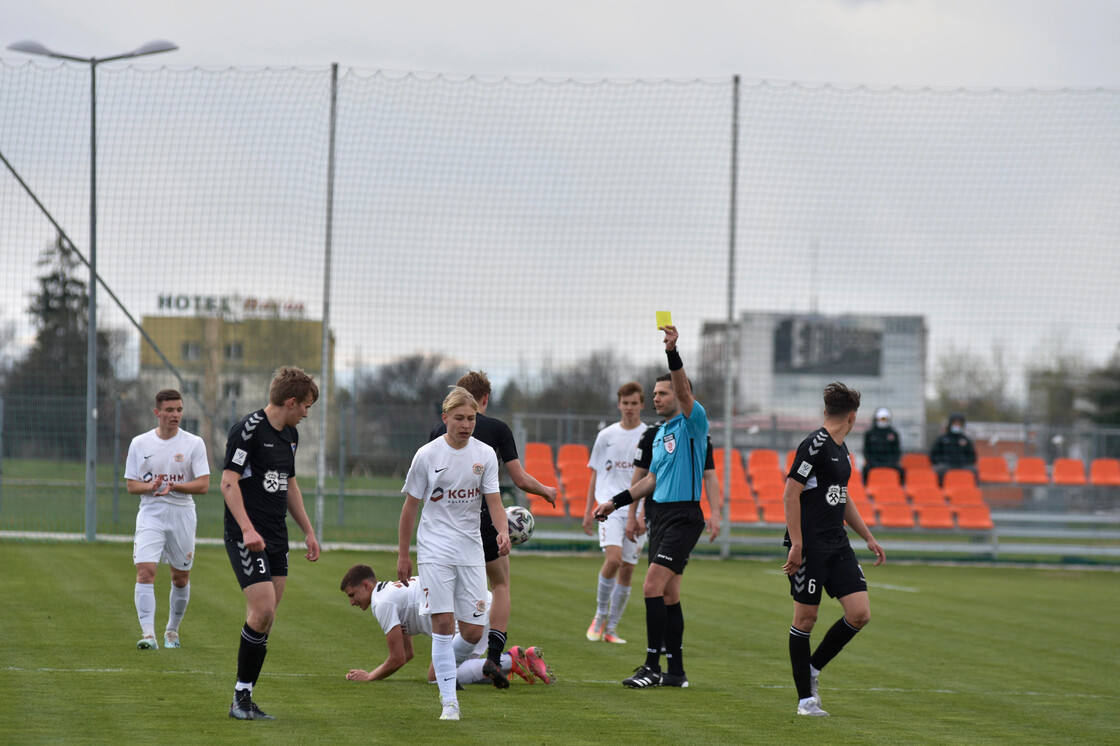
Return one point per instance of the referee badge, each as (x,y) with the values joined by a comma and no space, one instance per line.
(670,443)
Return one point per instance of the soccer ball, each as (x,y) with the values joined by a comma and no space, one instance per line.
(520,524)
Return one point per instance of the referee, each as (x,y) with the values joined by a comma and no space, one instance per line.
(675,477)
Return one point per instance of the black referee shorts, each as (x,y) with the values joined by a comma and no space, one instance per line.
(674,530)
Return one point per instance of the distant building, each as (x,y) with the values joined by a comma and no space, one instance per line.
(783,361)
(227,349)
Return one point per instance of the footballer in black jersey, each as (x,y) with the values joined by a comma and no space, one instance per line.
(820,557)
(259,487)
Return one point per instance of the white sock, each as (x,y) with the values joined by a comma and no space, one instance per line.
(145,598)
(603,596)
(619,598)
(462,648)
(178,606)
(470,672)
(443,660)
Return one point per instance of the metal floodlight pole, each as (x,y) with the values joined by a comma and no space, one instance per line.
(34,47)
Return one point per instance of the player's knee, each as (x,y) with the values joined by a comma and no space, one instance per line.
(145,575)
(859,619)
(625,574)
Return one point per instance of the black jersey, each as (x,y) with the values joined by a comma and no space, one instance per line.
(822,465)
(266,459)
(644,454)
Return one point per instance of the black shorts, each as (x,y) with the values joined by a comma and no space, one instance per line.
(489,534)
(674,530)
(257,567)
(834,570)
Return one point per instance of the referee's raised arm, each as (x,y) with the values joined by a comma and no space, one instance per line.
(676,370)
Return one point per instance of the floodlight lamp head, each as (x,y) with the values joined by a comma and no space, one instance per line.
(30,47)
(154,47)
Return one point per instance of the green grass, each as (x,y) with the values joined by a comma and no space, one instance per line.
(954,654)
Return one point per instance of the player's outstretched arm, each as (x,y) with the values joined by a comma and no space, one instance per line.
(642,488)
(526,482)
(676,371)
(400,653)
(404,537)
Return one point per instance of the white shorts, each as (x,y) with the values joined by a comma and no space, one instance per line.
(164,532)
(455,588)
(612,533)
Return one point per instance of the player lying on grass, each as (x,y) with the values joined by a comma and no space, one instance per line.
(398,608)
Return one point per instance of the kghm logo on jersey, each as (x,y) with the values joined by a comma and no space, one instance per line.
(670,443)
(836,495)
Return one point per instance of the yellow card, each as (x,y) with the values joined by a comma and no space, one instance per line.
(664,318)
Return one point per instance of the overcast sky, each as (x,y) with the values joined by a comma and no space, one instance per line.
(1011,43)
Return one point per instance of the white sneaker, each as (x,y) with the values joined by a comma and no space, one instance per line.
(811,708)
(450,711)
(147,642)
(171,639)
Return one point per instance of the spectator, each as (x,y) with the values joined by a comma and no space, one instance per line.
(954,449)
(881,445)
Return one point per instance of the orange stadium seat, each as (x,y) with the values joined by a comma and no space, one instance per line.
(856,490)
(1069,471)
(773,511)
(572,453)
(768,477)
(934,516)
(1105,472)
(915,461)
(744,511)
(1031,470)
(958,478)
(882,477)
(927,496)
(762,460)
(770,493)
(539,506)
(920,478)
(888,495)
(535,450)
(964,496)
(895,516)
(790,455)
(974,518)
(993,469)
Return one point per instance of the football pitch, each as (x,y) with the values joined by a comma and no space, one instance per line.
(954,654)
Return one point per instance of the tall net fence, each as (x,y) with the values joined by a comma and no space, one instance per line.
(936,249)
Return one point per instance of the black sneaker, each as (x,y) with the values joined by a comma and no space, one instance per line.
(668,679)
(493,671)
(242,707)
(259,714)
(643,677)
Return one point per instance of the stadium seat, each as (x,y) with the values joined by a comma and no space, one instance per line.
(927,496)
(744,511)
(770,493)
(1105,472)
(881,477)
(958,478)
(768,477)
(964,496)
(1031,470)
(895,516)
(539,506)
(934,516)
(888,495)
(773,511)
(993,469)
(1069,471)
(762,460)
(920,478)
(572,453)
(915,461)
(541,451)
(790,455)
(855,486)
(974,518)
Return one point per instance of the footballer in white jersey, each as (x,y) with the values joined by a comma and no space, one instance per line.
(165,467)
(612,470)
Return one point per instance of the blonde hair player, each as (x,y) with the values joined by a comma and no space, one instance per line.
(452,475)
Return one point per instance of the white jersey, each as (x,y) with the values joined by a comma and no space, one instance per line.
(181,458)
(612,458)
(452,483)
(395,604)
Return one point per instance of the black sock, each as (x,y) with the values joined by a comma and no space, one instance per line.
(674,638)
(250,655)
(496,645)
(838,635)
(799,659)
(655,631)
